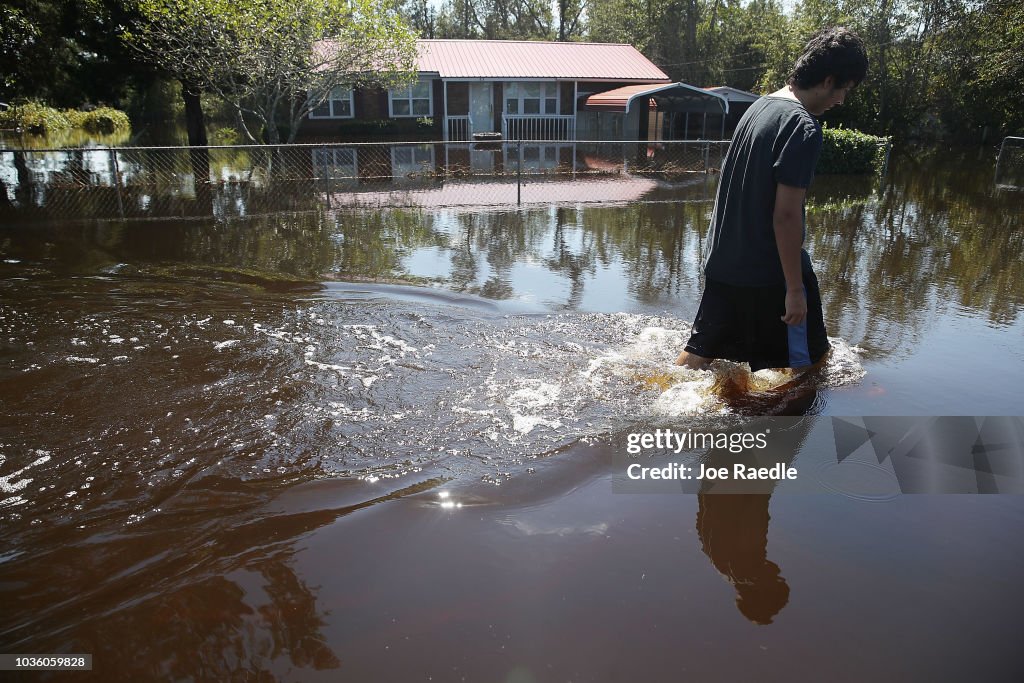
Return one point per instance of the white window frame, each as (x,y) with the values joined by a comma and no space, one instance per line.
(406,95)
(537,157)
(421,158)
(548,90)
(331,99)
(328,159)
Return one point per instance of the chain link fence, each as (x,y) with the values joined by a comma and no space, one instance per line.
(168,182)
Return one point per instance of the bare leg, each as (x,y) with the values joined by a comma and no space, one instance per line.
(693,361)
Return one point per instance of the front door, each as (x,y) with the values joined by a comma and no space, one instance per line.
(481,108)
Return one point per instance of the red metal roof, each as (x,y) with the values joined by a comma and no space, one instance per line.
(618,99)
(503,193)
(520,59)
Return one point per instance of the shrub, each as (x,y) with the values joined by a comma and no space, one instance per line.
(226,136)
(34,117)
(38,119)
(103,120)
(850,151)
(376,129)
(75,117)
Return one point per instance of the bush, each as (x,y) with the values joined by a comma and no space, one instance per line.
(103,120)
(39,119)
(376,129)
(226,136)
(850,151)
(34,117)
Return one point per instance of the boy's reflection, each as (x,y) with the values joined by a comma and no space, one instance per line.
(733,528)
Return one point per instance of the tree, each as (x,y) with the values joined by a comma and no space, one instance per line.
(274,61)
(571,19)
(458,19)
(67,53)
(18,35)
(421,16)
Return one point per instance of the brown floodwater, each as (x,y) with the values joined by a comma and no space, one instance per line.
(377,445)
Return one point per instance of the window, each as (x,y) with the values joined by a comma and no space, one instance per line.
(413,100)
(338,105)
(537,157)
(411,159)
(335,163)
(531,98)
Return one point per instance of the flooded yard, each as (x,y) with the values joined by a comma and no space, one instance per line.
(376,443)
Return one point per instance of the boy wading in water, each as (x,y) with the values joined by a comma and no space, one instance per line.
(761,303)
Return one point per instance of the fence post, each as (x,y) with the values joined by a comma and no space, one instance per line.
(999,161)
(117,179)
(707,157)
(23,191)
(519,174)
(328,176)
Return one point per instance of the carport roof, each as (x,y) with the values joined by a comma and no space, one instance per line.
(672,94)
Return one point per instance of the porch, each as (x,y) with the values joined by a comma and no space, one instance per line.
(472,107)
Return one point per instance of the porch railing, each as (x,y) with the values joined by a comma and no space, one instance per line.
(457,129)
(538,127)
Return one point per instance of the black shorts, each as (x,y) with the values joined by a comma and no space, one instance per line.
(744,324)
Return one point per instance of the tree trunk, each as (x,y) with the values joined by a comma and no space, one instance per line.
(199,159)
(195,122)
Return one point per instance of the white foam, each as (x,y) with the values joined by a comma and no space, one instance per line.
(220,346)
(844,366)
(692,396)
(524,424)
(537,394)
(7,485)
(528,404)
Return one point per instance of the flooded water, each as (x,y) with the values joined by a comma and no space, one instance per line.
(376,445)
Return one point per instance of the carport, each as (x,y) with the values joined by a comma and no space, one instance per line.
(674,111)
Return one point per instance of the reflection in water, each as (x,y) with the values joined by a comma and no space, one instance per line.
(733,528)
(937,238)
(164,385)
(226,182)
(733,531)
(930,240)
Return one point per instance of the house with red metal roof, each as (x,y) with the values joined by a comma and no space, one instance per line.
(522,90)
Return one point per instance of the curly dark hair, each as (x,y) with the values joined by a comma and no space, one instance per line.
(834,51)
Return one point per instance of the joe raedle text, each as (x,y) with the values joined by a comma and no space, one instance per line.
(701,471)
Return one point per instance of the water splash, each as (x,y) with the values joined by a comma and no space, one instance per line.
(368,388)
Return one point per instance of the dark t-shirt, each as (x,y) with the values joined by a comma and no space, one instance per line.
(776,141)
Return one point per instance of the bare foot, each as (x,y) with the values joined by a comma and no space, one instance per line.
(693,361)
